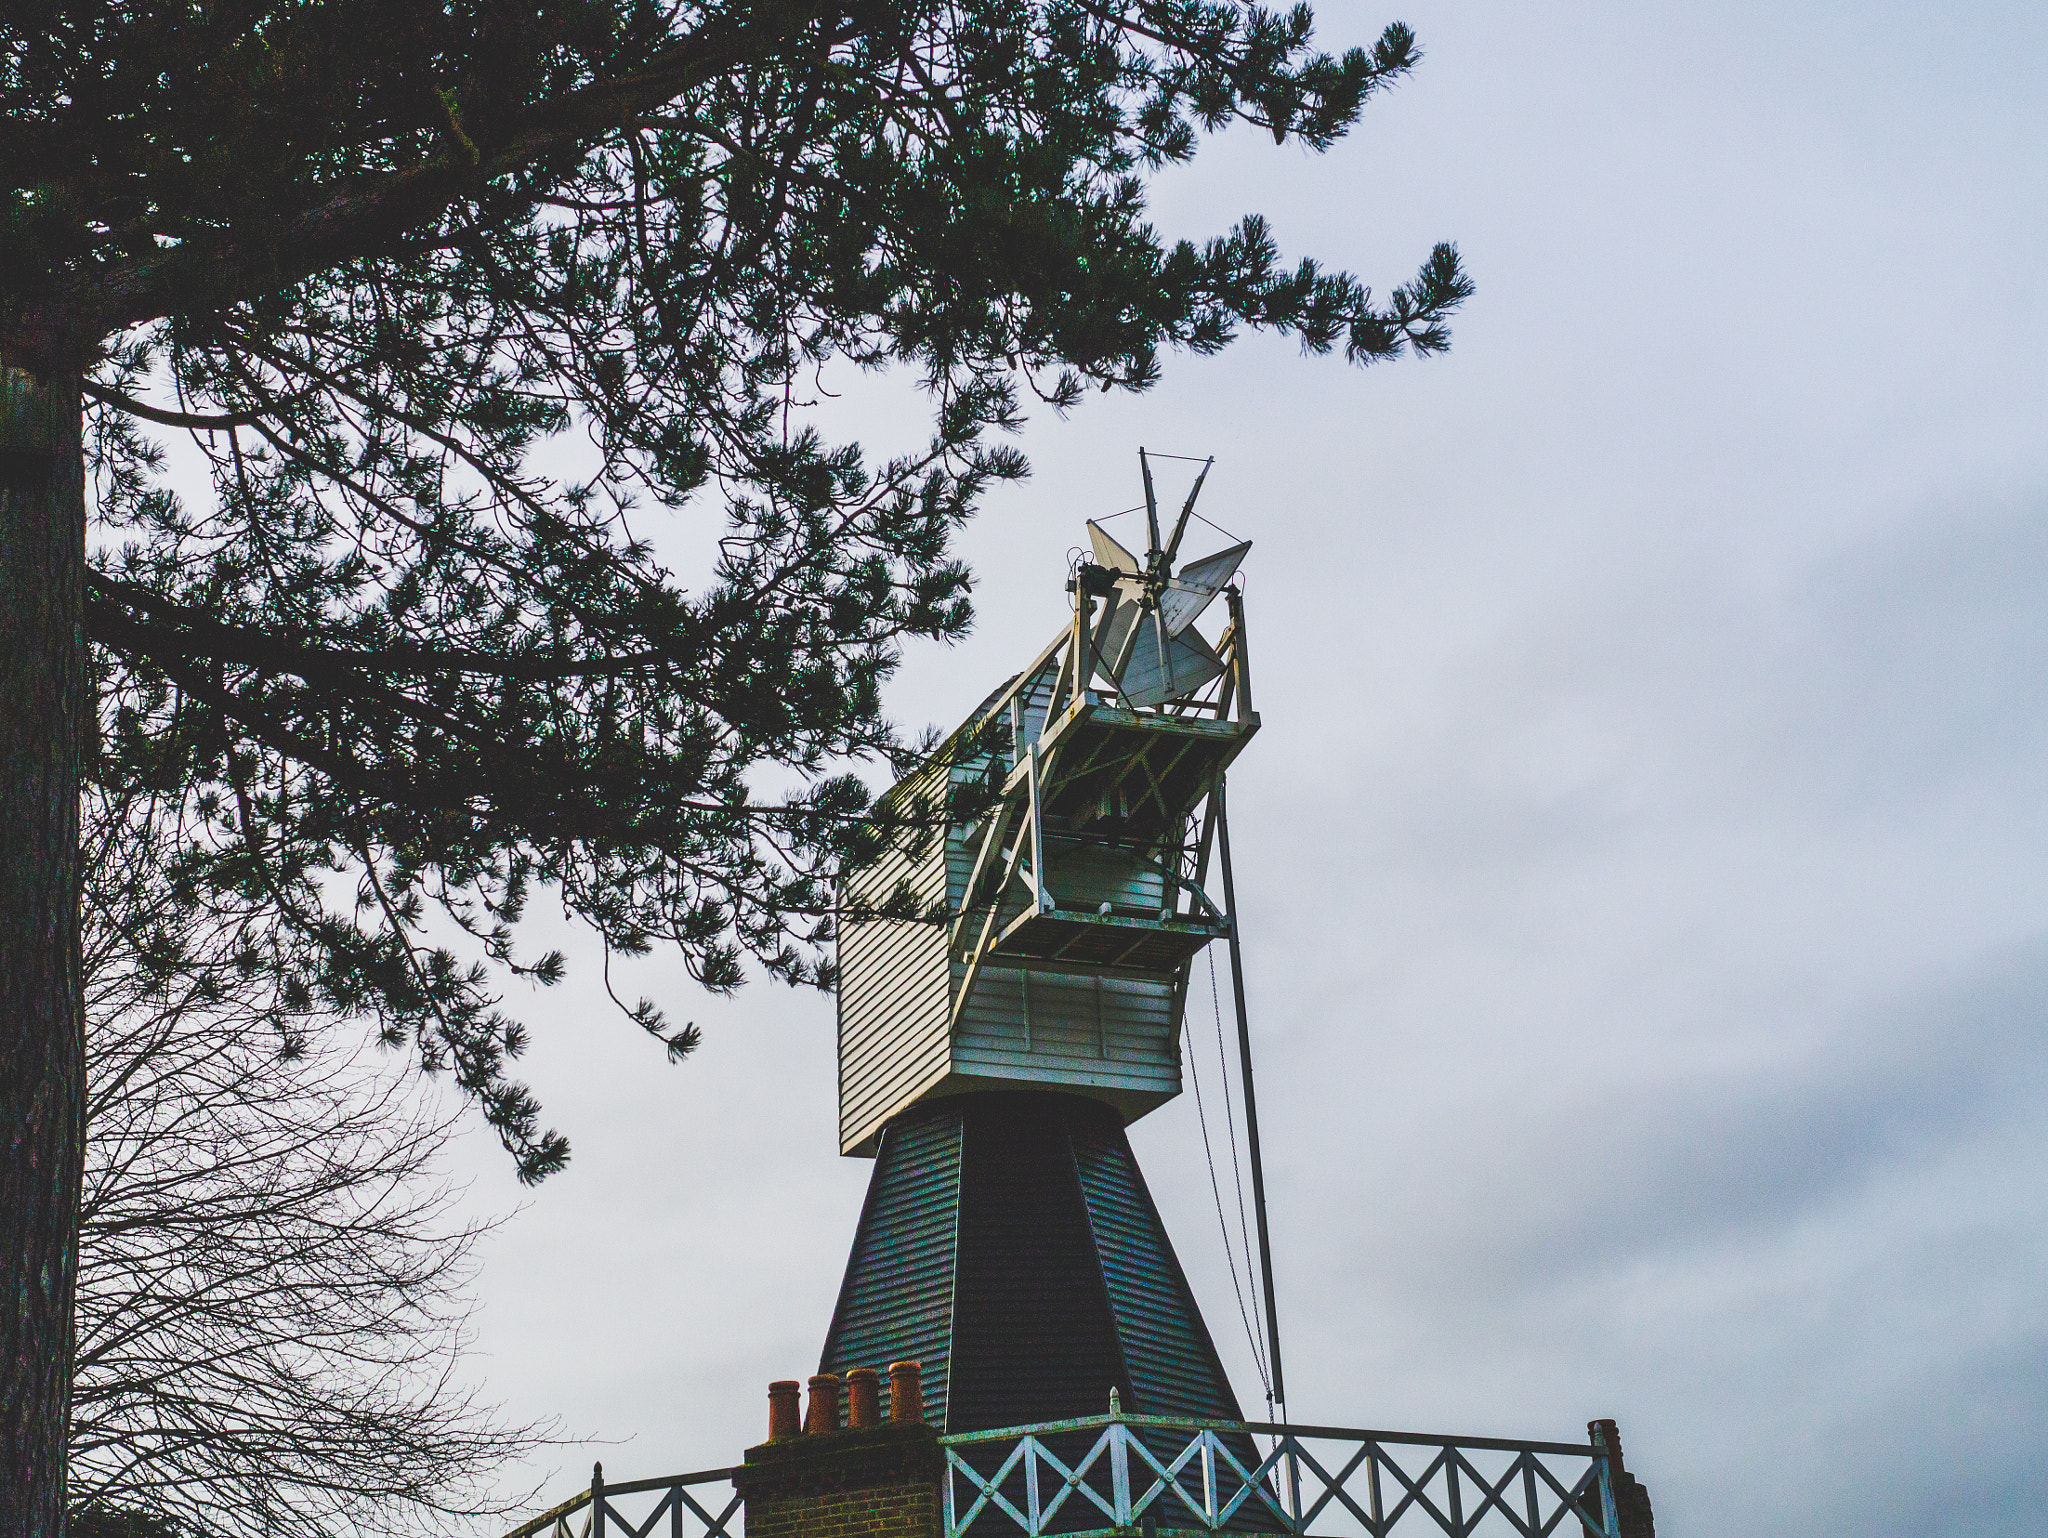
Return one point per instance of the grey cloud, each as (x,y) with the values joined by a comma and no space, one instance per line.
(1708,1158)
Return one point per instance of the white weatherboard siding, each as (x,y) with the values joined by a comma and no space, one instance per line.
(894,998)
(1107,1034)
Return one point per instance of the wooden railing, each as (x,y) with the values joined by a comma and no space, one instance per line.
(635,1510)
(1150,1476)
(1144,1474)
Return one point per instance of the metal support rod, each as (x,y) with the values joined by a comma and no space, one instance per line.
(1187,509)
(1038,886)
(1084,614)
(1151,514)
(1092,661)
(1251,1103)
(976,956)
(1251,1128)
(1240,651)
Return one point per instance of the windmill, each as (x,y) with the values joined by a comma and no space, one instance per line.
(992,1050)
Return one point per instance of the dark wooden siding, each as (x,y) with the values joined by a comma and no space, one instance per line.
(896,1303)
(1173,1364)
(1009,1243)
(1033,1337)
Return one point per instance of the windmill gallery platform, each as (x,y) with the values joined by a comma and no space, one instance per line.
(1014,959)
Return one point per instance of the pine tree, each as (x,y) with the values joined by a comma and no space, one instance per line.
(392,268)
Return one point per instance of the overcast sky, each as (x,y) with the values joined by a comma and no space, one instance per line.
(1644,862)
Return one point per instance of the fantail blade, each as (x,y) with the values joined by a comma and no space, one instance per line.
(1108,552)
(1164,667)
(1188,594)
(1113,635)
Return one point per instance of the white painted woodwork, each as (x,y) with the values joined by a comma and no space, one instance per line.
(1109,1031)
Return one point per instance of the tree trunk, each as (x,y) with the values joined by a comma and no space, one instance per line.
(44,723)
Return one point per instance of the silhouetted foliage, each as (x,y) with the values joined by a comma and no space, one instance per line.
(489,320)
(498,328)
(272,1273)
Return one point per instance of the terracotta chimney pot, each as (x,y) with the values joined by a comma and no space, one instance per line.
(906,1391)
(822,1418)
(863,1398)
(782,1413)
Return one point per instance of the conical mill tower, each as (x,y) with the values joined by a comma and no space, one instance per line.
(993,1047)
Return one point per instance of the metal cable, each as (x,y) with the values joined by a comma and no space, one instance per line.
(1230,1122)
(1222,1223)
(1214,525)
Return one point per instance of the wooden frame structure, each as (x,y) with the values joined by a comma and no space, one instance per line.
(1089,775)
(1071,902)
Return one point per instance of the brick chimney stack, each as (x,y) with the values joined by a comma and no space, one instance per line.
(871,1479)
